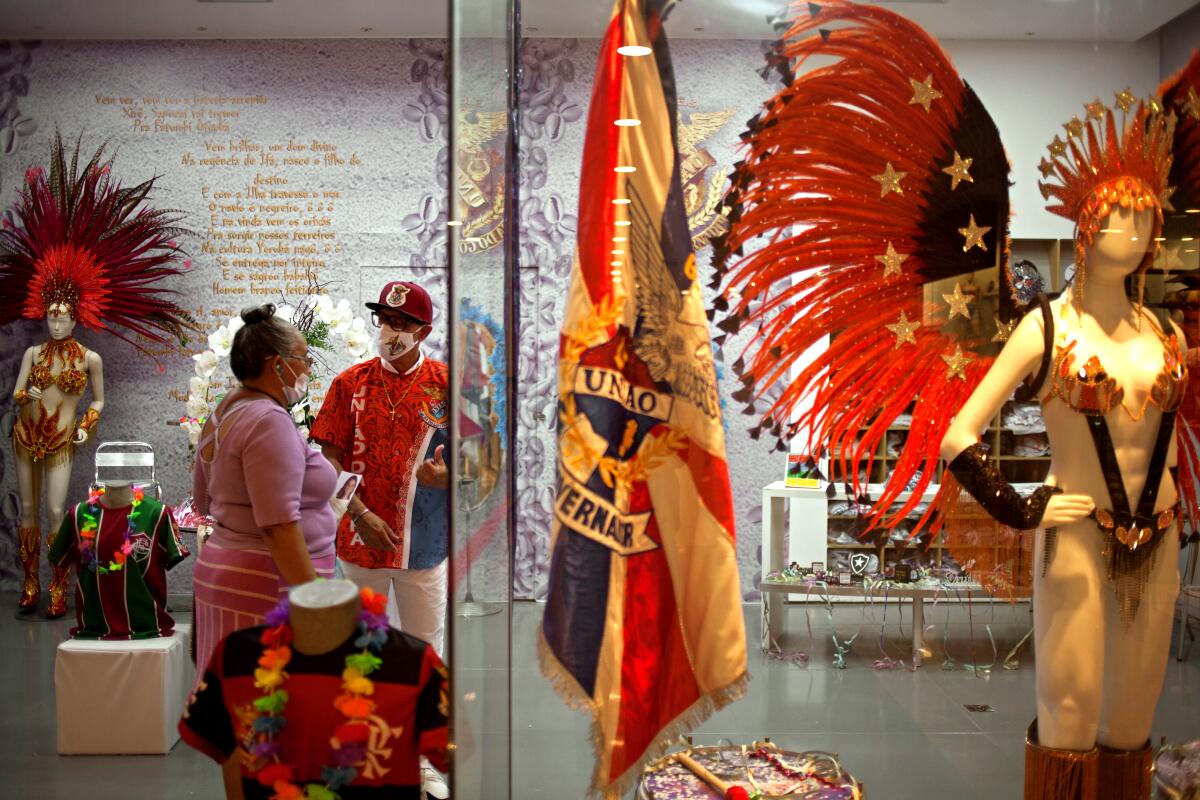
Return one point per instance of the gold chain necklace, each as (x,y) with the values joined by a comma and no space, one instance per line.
(407,389)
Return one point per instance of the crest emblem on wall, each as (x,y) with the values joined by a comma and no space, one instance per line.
(481,179)
(702,192)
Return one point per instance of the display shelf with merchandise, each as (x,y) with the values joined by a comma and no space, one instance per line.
(1014,427)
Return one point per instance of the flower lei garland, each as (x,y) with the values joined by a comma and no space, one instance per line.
(317,317)
(88,533)
(349,741)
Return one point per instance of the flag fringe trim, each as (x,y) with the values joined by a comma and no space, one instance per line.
(571,693)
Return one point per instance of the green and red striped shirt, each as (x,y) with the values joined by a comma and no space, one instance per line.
(129,603)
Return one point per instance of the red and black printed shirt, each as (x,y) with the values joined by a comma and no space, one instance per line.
(409,721)
(386,424)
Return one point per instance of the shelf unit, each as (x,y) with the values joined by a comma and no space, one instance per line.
(844,528)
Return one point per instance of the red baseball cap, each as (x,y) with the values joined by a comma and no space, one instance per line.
(407,298)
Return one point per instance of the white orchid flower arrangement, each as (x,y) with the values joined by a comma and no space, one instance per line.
(327,327)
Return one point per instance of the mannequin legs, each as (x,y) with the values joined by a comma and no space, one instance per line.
(1098,679)
(28,539)
(57,476)
(1069,634)
(1135,657)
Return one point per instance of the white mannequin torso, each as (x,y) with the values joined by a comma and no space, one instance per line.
(1099,675)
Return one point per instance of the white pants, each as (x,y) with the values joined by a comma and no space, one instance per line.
(418,597)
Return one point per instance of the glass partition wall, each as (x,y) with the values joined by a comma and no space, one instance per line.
(482,191)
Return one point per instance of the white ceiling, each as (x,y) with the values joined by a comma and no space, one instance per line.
(1067,20)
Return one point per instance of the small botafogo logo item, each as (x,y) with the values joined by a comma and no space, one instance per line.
(397,296)
(858,563)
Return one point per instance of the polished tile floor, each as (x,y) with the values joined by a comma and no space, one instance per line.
(906,734)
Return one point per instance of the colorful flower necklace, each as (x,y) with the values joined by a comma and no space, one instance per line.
(349,741)
(89,530)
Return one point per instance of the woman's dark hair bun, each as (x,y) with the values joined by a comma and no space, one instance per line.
(256,314)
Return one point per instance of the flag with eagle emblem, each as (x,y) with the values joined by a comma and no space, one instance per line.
(643,624)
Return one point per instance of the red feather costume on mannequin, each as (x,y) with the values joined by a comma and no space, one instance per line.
(878,183)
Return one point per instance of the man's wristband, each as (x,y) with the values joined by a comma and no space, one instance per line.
(354,520)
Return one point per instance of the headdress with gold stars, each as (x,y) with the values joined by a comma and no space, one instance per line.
(869,179)
(83,242)
(1100,168)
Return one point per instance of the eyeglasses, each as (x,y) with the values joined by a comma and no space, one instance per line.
(395,322)
(308,360)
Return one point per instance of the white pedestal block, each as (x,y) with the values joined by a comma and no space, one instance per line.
(122,697)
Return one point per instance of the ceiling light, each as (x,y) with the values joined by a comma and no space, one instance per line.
(634,50)
(614,263)
(1187,238)
(618,252)
(620,239)
(1191,211)
(627,123)
(454,223)
(621,201)
(624,169)
(1160,238)
(622,223)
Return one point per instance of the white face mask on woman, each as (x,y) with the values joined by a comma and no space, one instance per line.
(295,393)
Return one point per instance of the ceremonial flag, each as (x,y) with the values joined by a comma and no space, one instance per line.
(643,623)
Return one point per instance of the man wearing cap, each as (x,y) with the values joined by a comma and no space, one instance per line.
(386,420)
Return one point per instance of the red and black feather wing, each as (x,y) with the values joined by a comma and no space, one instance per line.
(814,216)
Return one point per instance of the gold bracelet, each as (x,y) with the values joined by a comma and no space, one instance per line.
(20,396)
(90,418)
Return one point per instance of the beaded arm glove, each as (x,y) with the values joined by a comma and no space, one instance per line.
(981,477)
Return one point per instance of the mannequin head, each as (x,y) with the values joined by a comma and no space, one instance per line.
(59,321)
(1124,244)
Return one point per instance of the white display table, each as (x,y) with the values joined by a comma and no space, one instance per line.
(122,697)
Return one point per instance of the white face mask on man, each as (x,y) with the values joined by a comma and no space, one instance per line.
(392,344)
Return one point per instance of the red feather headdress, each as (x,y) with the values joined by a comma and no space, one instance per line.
(1097,169)
(869,180)
(83,242)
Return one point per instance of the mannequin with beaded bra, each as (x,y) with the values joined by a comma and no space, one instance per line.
(1111,377)
(85,250)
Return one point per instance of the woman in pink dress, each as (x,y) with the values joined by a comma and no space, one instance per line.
(268,492)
